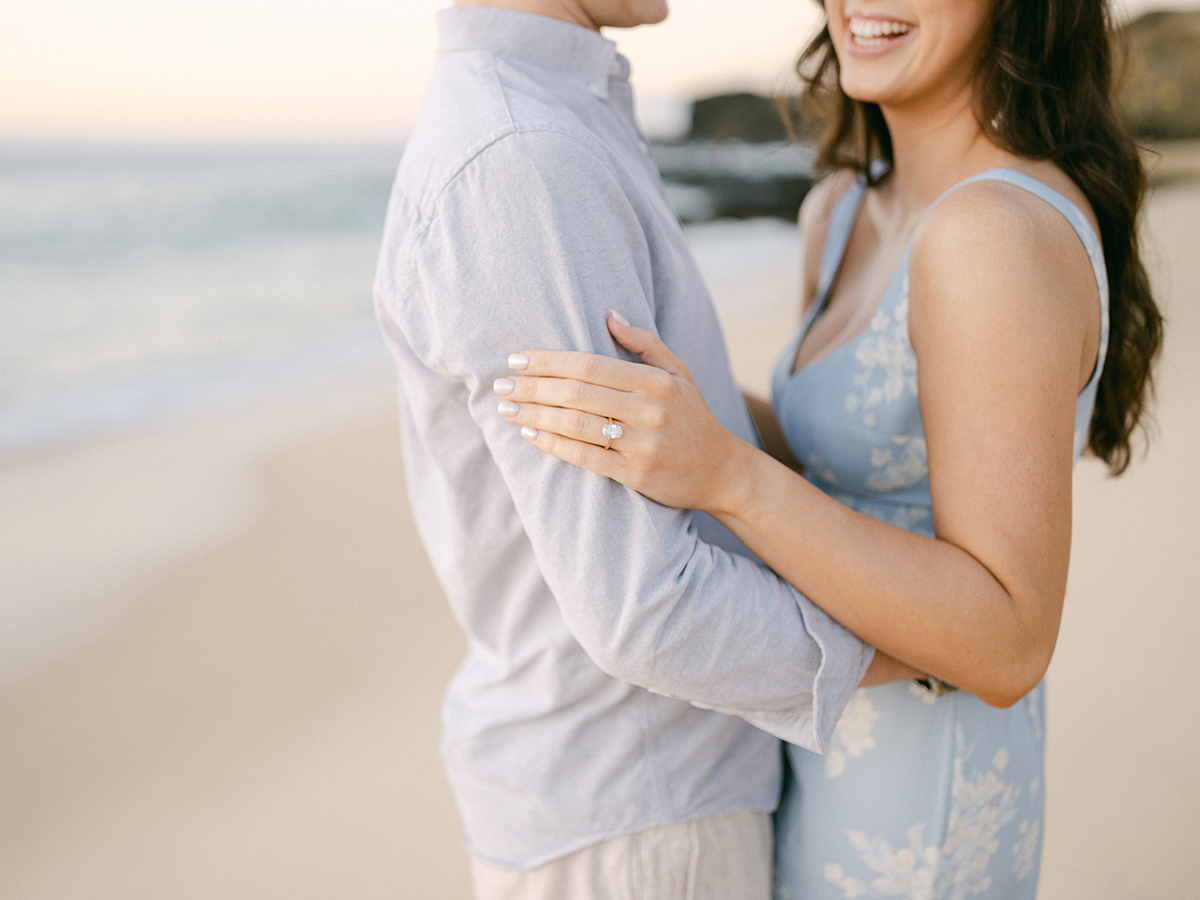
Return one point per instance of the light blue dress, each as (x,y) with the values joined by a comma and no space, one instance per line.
(917,797)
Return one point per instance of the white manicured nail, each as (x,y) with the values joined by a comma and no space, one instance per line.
(528,433)
(504,386)
(508,408)
(518,361)
(620,318)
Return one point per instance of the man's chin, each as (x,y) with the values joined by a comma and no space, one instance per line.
(661,13)
(643,12)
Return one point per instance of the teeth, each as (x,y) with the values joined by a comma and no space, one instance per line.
(874,30)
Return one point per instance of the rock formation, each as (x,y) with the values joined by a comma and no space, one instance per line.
(1159,94)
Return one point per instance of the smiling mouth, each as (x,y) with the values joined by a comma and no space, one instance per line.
(876,32)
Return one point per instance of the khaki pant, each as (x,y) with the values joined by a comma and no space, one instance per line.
(719,858)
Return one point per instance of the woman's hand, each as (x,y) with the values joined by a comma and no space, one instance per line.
(671,447)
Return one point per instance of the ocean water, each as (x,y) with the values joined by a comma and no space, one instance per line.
(138,280)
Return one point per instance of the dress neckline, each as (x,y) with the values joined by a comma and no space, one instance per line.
(837,240)
(841,226)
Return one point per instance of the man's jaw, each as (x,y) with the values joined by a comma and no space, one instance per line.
(581,12)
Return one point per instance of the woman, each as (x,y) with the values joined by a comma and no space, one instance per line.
(957,353)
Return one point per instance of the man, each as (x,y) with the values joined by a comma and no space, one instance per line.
(582,737)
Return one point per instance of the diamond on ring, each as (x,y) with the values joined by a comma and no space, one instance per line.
(611,431)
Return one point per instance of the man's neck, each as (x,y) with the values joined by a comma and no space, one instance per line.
(570,11)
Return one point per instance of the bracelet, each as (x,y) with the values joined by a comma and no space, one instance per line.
(935,686)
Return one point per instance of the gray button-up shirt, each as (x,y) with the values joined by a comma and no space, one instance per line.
(603,628)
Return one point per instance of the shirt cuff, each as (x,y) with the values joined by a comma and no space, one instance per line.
(844,662)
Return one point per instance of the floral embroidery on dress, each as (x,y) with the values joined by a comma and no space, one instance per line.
(975,825)
(1025,853)
(926,697)
(1034,711)
(906,516)
(852,737)
(907,872)
(816,468)
(889,366)
(900,466)
(982,805)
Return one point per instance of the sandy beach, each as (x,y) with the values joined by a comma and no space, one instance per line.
(222,649)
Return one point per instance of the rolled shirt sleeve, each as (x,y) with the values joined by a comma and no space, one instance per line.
(528,247)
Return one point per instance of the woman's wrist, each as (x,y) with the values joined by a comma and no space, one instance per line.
(736,482)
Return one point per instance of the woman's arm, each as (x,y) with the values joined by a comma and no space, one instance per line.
(883,668)
(1002,303)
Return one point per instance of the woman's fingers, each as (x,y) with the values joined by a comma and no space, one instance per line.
(604,371)
(577,453)
(646,344)
(570,394)
(569,423)
(672,448)
(652,377)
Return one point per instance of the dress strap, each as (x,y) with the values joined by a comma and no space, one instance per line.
(1075,218)
(841,225)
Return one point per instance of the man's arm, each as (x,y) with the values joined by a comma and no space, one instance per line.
(530,246)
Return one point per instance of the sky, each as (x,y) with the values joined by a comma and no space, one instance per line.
(354,69)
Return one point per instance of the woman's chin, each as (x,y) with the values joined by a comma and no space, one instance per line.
(867,91)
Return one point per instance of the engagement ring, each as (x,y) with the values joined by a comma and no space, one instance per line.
(612,431)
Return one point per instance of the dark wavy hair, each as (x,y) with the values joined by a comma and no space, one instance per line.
(1043,90)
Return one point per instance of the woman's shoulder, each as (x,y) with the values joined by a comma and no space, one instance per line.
(1007,217)
(1005,247)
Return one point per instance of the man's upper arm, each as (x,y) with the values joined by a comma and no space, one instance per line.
(530,247)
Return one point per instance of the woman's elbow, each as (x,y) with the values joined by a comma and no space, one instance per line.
(1020,658)
(1016,678)
(1003,699)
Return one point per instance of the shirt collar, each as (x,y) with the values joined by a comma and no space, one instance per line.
(577,54)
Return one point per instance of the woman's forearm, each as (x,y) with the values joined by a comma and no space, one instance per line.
(978,607)
(921,600)
(886,670)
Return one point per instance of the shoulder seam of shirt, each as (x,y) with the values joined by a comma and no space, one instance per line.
(425,208)
(578,136)
(513,131)
(417,238)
